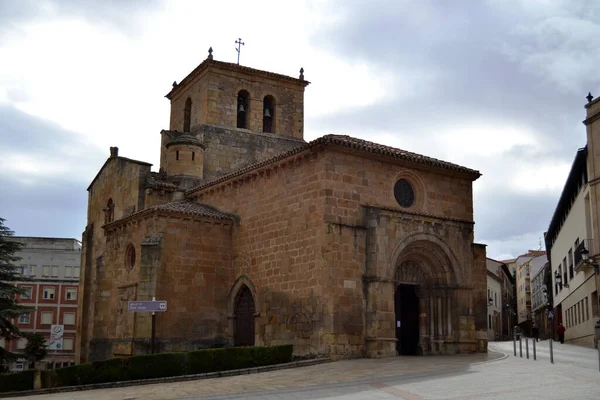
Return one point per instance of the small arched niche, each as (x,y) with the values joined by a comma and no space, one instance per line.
(243,109)
(109,212)
(269,114)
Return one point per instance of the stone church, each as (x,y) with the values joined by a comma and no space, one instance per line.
(339,246)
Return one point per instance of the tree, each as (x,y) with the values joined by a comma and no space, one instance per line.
(9,275)
(35,350)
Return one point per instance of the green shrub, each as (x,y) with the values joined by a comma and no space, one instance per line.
(16,382)
(164,365)
(157,365)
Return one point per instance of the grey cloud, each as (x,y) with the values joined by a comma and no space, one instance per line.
(55,205)
(23,133)
(118,13)
(50,207)
(505,63)
(508,214)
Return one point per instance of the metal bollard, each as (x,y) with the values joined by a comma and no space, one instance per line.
(520,347)
(534,357)
(551,352)
(527,346)
(515,343)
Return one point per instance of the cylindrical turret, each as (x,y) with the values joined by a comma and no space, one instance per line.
(185,157)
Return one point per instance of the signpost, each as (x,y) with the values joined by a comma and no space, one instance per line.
(153,306)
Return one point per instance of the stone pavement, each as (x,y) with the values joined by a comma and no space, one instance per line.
(334,373)
(574,375)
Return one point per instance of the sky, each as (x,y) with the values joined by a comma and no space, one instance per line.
(494,85)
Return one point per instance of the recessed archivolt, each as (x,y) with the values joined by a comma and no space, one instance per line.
(429,254)
(239,284)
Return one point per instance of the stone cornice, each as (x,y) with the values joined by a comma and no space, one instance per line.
(418,214)
(209,63)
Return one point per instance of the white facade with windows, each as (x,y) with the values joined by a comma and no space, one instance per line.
(574,286)
(494,307)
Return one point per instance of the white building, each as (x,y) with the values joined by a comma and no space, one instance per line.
(570,230)
(494,309)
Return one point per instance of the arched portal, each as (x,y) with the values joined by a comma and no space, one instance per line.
(424,282)
(244,318)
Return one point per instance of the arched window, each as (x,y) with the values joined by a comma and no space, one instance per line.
(109,212)
(268,114)
(187,115)
(243,104)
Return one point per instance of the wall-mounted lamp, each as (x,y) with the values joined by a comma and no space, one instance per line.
(558,278)
(585,255)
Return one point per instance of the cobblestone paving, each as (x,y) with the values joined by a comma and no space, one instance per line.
(574,375)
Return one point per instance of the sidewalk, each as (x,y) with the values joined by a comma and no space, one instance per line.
(315,377)
(564,354)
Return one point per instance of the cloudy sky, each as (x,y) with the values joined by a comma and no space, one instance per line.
(495,85)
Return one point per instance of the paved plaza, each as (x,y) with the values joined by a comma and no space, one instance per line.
(497,375)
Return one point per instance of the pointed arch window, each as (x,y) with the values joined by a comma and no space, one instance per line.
(268,114)
(243,104)
(187,115)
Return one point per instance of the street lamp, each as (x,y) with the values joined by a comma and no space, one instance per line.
(585,255)
(491,301)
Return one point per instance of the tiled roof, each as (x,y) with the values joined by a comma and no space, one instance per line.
(185,207)
(352,143)
(376,148)
(192,208)
(155,181)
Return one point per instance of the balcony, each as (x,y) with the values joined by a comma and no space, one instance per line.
(587,244)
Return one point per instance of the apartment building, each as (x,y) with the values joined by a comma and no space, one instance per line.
(573,281)
(525,266)
(53,264)
(500,306)
(541,297)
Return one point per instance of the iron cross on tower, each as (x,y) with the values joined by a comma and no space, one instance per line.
(239,48)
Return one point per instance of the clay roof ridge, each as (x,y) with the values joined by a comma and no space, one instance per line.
(186,206)
(348,142)
(366,145)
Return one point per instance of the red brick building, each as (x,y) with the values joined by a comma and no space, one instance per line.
(53,264)
(341,247)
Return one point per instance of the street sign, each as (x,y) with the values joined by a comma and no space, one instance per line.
(139,306)
(550,315)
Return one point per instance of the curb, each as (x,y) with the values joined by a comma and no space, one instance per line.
(504,357)
(170,379)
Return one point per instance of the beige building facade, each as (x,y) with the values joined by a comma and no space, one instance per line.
(571,230)
(339,246)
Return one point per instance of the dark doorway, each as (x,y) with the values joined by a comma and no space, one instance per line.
(244,318)
(406,304)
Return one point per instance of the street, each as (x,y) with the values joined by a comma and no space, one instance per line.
(574,375)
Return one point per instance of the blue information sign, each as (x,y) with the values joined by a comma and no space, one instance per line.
(158,305)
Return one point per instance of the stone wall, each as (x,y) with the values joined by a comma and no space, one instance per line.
(480,298)
(121,180)
(354,180)
(231,149)
(303,235)
(214,95)
(277,246)
(192,272)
